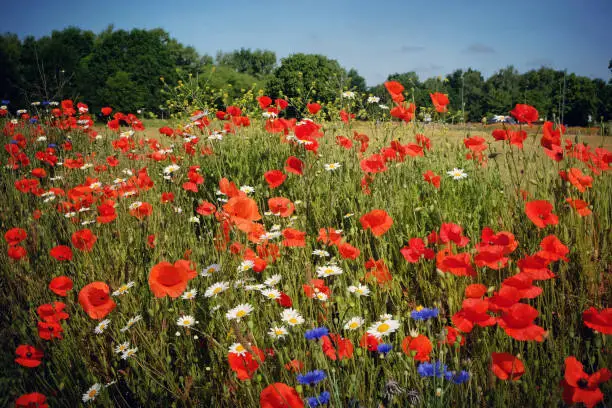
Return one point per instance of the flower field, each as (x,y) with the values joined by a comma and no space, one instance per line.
(243,258)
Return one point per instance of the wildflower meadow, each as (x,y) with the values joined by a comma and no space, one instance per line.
(276,254)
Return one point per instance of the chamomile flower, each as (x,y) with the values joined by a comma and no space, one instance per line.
(359,290)
(100,327)
(122,348)
(348,95)
(171,169)
(135,205)
(292,317)
(129,353)
(238,349)
(257,287)
(92,392)
(239,312)
(383,328)
(386,316)
(457,174)
(328,270)
(320,253)
(246,266)
(272,294)
(216,288)
(186,321)
(273,280)
(320,295)
(278,332)
(210,269)
(131,322)
(123,288)
(332,166)
(190,294)
(354,323)
(373,99)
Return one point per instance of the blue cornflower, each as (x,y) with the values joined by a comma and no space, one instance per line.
(458,378)
(5,102)
(45,103)
(384,348)
(311,377)
(33,120)
(322,399)
(424,313)
(52,145)
(436,369)
(13,141)
(316,333)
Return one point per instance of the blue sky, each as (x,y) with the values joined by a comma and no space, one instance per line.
(375,37)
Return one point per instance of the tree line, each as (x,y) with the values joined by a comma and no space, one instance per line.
(123,69)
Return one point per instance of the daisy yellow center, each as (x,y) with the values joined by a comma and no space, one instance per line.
(419,308)
(279,332)
(354,325)
(293,320)
(123,288)
(92,393)
(241,313)
(210,270)
(240,348)
(271,295)
(383,328)
(329,271)
(217,290)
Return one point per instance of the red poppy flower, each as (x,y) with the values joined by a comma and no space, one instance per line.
(336,347)
(205,208)
(553,249)
(264,101)
(523,283)
(28,356)
(274,178)
(475,291)
(416,250)
(376,220)
(600,321)
(503,238)
(491,256)
(473,311)
(368,341)
(32,400)
(535,267)
(506,366)
(452,335)
(579,180)
(52,312)
(394,87)
(517,138)
(294,165)
(418,347)
(432,178)
(347,251)
(242,211)
(84,240)
(281,104)
(279,395)
(61,253)
(313,108)
(344,142)
(439,101)
(579,386)
(378,270)
(457,264)
(373,164)
(95,300)
(504,299)
(15,236)
(581,206)
(329,236)
(284,300)
(61,285)
(540,213)
(17,252)
(345,117)
(49,330)
(245,365)
(142,210)
(294,238)
(167,279)
(281,206)
(453,232)
(167,198)
(517,322)
(475,143)
(524,113)
(106,111)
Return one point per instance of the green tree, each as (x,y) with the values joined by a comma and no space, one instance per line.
(502,91)
(122,93)
(466,92)
(258,63)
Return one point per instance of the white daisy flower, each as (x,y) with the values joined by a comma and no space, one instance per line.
(320,253)
(292,317)
(328,270)
(171,169)
(190,294)
(273,280)
(122,348)
(123,288)
(381,106)
(354,323)
(278,332)
(216,288)
(348,95)
(131,322)
(383,328)
(186,321)
(129,353)
(194,219)
(272,294)
(41,139)
(246,266)
(386,316)
(457,174)
(373,99)
(210,269)
(359,290)
(238,349)
(320,295)
(332,166)
(127,172)
(258,287)
(135,205)
(247,189)
(239,312)
(100,327)
(92,392)
(349,215)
